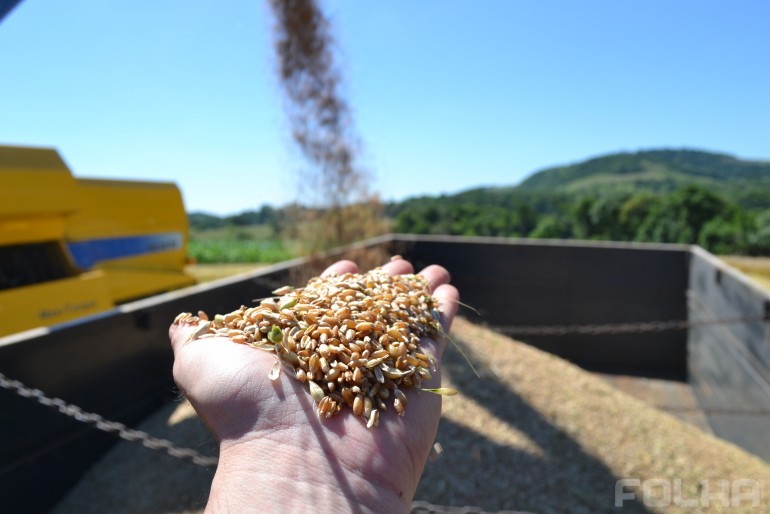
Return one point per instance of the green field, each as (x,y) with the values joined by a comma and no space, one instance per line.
(236,244)
(232,252)
(233,233)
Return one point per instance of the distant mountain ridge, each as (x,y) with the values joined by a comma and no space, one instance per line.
(659,170)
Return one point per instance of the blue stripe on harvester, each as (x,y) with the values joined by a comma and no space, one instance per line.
(90,252)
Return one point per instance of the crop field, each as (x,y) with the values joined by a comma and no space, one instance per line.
(237,245)
(233,233)
(232,252)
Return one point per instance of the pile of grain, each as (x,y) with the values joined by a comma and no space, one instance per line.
(534,433)
(354,339)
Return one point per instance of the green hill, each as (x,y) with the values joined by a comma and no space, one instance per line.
(667,196)
(744,182)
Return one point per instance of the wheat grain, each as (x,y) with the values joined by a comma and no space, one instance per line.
(353,338)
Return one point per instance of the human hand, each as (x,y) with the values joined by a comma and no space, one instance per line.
(276,454)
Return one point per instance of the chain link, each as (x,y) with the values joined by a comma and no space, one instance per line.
(100,423)
(621,328)
(169,447)
(154,443)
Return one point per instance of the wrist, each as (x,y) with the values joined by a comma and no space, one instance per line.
(275,476)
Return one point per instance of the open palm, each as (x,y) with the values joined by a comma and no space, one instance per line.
(277,454)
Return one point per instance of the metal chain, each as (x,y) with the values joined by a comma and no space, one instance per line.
(169,447)
(621,328)
(154,443)
(598,329)
(99,422)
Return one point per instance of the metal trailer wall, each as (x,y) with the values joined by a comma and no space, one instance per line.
(539,282)
(729,365)
(117,364)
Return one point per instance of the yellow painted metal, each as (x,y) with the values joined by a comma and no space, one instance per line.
(41,202)
(53,302)
(37,194)
(30,229)
(125,285)
(108,208)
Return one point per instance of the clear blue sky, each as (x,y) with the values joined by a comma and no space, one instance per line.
(446,95)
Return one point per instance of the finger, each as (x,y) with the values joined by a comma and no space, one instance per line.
(399,267)
(340,268)
(436,275)
(181,335)
(448,298)
(448,301)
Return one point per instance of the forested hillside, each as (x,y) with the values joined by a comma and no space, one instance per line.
(746,183)
(668,196)
(691,214)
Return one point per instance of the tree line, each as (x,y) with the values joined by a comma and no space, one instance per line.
(691,215)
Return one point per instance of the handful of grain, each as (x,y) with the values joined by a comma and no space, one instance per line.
(353,338)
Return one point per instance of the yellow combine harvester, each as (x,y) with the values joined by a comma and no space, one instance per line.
(72,247)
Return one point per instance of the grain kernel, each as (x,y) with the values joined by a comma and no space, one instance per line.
(358,406)
(353,338)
